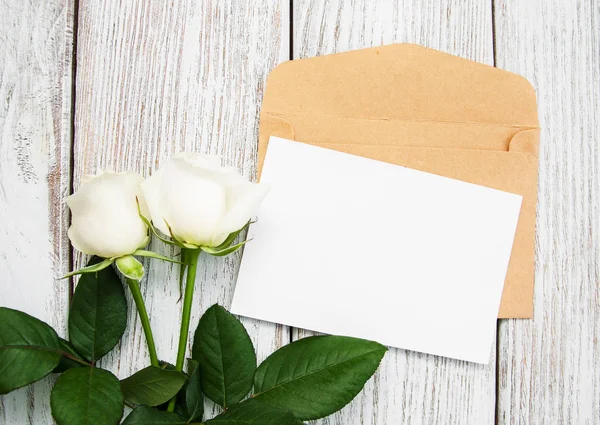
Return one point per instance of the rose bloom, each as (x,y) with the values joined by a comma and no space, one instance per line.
(104,215)
(200,200)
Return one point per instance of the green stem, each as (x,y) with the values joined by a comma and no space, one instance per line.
(191,255)
(134,286)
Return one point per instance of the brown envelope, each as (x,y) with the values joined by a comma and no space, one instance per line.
(417,107)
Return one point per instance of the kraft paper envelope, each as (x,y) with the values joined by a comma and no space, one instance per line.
(423,109)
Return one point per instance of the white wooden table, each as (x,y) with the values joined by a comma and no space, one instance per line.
(89,85)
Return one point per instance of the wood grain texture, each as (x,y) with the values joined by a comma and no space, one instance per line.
(157,77)
(154,78)
(409,388)
(35,120)
(549,368)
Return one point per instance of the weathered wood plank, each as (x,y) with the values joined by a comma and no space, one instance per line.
(35,120)
(410,388)
(154,78)
(549,367)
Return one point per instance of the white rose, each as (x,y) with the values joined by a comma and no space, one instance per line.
(201,201)
(105,219)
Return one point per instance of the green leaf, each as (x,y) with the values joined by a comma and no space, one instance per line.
(232,237)
(91,268)
(144,415)
(150,254)
(226,356)
(87,396)
(65,362)
(253,412)
(223,252)
(152,386)
(29,349)
(130,267)
(181,399)
(317,376)
(194,401)
(98,315)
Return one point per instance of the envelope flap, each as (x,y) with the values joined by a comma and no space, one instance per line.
(401,82)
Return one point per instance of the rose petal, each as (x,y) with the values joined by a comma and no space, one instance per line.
(151,188)
(243,201)
(105,219)
(193,200)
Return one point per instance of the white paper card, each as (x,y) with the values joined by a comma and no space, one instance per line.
(350,246)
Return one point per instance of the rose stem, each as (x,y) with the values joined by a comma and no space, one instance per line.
(141,307)
(191,255)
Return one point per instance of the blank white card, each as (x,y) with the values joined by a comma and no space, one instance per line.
(350,246)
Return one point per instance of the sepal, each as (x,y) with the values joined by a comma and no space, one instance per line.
(232,237)
(93,268)
(226,247)
(150,226)
(179,242)
(150,254)
(216,252)
(130,267)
